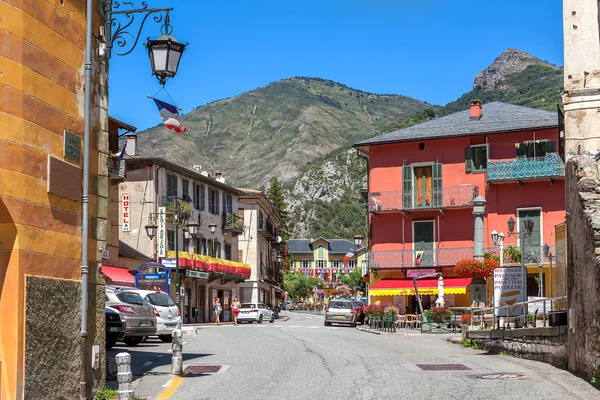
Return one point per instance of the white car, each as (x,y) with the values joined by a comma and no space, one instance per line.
(166,312)
(255,312)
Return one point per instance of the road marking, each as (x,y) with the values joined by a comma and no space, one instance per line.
(171,388)
(312,327)
(168,383)
(185,343)
(147,363)
(160,355)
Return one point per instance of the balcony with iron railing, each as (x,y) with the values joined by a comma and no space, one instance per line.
(461,196)
(233,224)
(116,168)
(265,228)
(526,168)
(447,257)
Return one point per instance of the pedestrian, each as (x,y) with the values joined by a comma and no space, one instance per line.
(235,309)
(217,307)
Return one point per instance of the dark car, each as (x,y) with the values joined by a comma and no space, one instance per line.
(359,306)
(115,327)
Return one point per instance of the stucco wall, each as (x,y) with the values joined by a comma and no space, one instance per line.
(583,264)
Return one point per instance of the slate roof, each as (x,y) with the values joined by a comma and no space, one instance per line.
(340,246)
(497,117)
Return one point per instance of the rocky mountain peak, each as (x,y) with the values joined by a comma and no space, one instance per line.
(510,62)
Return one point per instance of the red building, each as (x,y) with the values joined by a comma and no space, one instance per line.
(422,181)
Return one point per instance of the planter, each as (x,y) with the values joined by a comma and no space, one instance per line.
(557,318)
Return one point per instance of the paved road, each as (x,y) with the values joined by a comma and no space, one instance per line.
(302,359)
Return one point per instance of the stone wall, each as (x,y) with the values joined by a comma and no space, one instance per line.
(540,344)
(583,263)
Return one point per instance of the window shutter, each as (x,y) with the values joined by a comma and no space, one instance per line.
(325,264)
(437,184)
(217,199)
(550,147)
(469,156)
(407,178)
(202,197)
(522,150)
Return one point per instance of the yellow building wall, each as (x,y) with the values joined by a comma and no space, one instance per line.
(41,95)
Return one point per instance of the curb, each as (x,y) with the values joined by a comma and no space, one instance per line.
(374,332)
(455,340)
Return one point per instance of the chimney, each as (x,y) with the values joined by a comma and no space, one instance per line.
(131,148)
(476,110)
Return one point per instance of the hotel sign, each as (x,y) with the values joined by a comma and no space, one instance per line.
(162,232)
(126,212)
(196,274)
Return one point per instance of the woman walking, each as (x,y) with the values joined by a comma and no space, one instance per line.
(218,309)
(235,309)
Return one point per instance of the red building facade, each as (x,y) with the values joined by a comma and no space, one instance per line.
(422,181)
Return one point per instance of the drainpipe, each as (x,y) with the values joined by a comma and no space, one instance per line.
(85,199)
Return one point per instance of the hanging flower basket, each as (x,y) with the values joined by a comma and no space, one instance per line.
(472,268)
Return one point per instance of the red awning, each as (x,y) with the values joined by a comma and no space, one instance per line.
(391,287)
(118,276)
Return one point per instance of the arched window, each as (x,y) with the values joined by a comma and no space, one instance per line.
(321,252)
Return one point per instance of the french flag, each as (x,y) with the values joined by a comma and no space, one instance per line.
(170,116)
(349,255)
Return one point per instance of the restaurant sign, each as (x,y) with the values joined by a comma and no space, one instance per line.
(162,232)
(196,274)
(509,289)
(416,273)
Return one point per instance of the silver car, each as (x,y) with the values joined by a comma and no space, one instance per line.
(137,313)
(255,312)
(166,312)
(340,312)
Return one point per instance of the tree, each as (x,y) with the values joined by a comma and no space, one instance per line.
(297,285)
(354,280)
(275,194)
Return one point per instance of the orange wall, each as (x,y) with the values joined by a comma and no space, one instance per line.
(456,226)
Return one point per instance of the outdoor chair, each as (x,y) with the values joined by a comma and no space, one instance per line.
(411,321)
(400,321)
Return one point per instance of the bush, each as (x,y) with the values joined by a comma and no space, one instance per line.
(440,314)
(596,377)
(472,268)
(472,343)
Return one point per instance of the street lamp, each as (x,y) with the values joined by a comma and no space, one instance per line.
(498,239)
(165,53)
(358,239)
(151,227)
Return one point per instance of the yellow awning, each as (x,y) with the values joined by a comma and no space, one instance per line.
(411,292)
(406,287)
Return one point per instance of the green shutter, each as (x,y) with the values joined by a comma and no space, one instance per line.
(437,184)
(325,263)
(407,179)
(550,147)
(469,156)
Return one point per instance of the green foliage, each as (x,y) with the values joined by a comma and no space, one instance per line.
(470,343)
(417,118)
(513,254)
(354,280)
(106,394)
(299,286)
(275,194)
(596,377)
(491,256)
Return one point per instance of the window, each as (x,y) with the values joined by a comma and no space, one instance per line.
(202,197)
(214,249)
(305,263)
(227,204)
(204,247)
(213,201)
(533,149)
(171,185)
(351,264)
(218,249)
(476,158)
(185,190)
(170,240)
(321,251)
(422,186)
(227,251)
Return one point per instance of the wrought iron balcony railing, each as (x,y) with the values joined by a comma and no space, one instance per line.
(233,224)
(550,166)
(445,257)
(116,168)
(445,197)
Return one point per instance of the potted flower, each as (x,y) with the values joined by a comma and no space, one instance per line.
(440,314)
(343,290)
(471,268)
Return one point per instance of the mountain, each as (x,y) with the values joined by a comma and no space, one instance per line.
(328,189)
(277,129)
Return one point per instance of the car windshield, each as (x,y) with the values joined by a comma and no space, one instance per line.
(248,305)
(159,299)
(340,304)
(130,298)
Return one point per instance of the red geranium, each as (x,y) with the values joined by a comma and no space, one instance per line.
(475,269)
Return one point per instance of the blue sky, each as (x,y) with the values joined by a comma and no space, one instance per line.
(427,49)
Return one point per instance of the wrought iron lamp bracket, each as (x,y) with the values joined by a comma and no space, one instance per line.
(120,39)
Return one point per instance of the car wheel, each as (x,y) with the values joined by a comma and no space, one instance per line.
(326,323)
(250,322)
(144,339)
(353,324)
(166,338)
(110,344)
(260,319)
(133,340)
(272,319)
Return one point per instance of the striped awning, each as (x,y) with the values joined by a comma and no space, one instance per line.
(211,264)
(400,287)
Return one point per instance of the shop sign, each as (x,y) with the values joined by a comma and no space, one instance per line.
(416,273)
(152,282)
(126,211)
(190,273)
(509,289)
(169,262)
(105,254)
(162,232)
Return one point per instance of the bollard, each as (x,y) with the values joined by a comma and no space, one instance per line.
(177,346)
(124,376)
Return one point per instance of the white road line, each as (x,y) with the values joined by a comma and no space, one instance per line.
(168,383)
(160,355)
(312,327)
(147,363)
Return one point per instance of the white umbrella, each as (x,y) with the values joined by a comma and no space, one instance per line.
(440,300)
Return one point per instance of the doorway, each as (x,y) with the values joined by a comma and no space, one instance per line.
(533,243)
(423,243)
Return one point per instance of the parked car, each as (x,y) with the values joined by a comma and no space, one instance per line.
(139,317)
(359,307)
(340,312)
(115,327)
(286,305)
(255,312)
(166,312)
